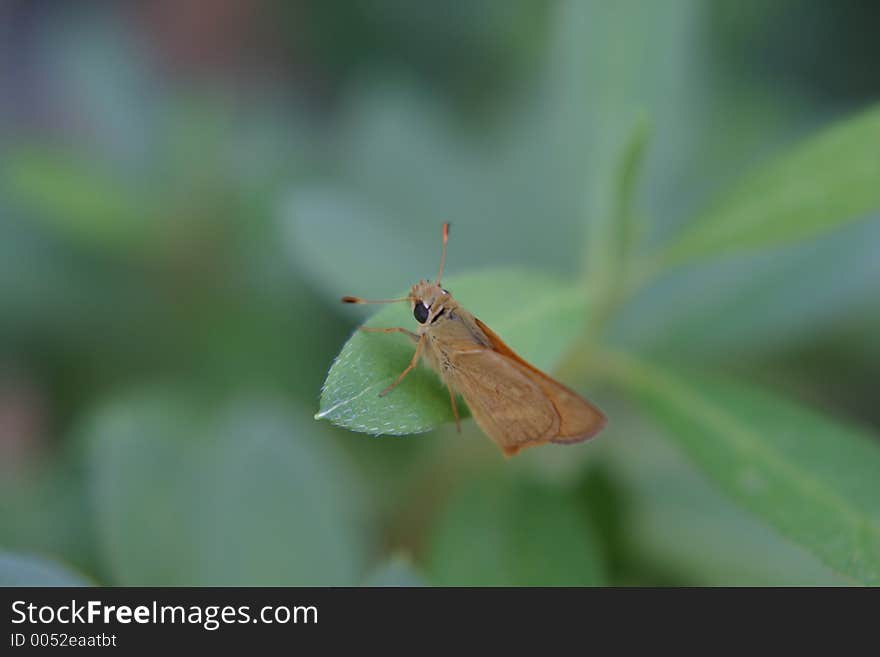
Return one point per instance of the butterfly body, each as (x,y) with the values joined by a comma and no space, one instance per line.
(514,403)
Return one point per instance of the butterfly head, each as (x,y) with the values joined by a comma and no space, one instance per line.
(430,302)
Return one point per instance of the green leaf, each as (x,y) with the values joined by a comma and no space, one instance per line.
(536,314)
(29,570)
(672,518)
(616,63)
(613,237)
(248,495)
(514,533)
(78,199)
(812,479)
(397,571)
(827,181)
(724,310)
(44,510)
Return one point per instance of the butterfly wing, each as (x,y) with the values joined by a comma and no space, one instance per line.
(513,402)
(510,407)
(578,418)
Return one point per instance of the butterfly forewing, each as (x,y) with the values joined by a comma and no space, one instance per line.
(516,404)
(579,419)
(509,407)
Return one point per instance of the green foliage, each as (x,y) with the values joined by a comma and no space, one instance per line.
(26,570)
(811,478)
(672,519)
(514,533)
(395,572)
(182,495)
(89,206)
(824,182)
(44,511)
(506,300)
(178,246)
(614,237)
(814,481)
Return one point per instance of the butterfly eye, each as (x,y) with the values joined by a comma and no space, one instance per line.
(420,312)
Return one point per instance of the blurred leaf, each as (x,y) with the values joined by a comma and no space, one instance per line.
(672,522)
(76,197)
(406,167)
(397,571)
(513,533)
(328,220)
(402,151)
(250,496)
(826,181)
(724,309)
(45,510)
(614,236)
(753,305)
(29,570)
(536,314)
(611,65)
(813,480)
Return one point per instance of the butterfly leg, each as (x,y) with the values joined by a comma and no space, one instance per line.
(454,408)
(369,329)
(412,364)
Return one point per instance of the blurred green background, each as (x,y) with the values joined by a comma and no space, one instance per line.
(187,188)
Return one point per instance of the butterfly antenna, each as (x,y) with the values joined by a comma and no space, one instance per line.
(359,300)
(443,252)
